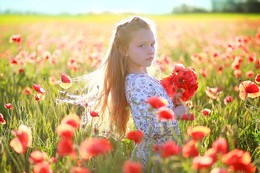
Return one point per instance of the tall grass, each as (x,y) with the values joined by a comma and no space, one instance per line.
(76,38)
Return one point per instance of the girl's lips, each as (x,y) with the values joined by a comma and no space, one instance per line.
(150,59)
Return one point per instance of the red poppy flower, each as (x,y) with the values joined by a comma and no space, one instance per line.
(37,157)
(42,167)
(66,131)
(251,58)
(20,71)
(2,120)
(187,117)
(221,145)
(257,79)
(93,113)
(157,102)
(79,170)
(169,148)
(65,147)
(46,55)
(211,152)
(179,67)
(213,92)
(53,160)
(71,119)
(13,61)
(236,65)
(248,89)
(199,132)
(22,140)
(66,81)
(257,64)
(65,78)
(39,96)
(94,146)
(190,149)
(53,80)
(202,162)
(206,111)
(220,69)
(250,74)
(237,73)
(228,99)
(15,38)
(165,114)
(238,160)
(38,88)
(132,167)
(27,90)
(8,105)
(137,136)
(203,72)
(73,64)
(156,148)
(181,79)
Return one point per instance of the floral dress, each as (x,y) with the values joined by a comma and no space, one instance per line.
(138,88)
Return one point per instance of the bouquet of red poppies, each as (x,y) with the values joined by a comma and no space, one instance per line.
(181,84)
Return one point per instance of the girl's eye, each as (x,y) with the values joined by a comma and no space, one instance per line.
(144,45)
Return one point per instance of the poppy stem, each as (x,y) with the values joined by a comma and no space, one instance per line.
(16,163)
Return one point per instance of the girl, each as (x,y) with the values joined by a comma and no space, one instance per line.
(126,84)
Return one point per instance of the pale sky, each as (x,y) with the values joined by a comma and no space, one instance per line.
(85,6)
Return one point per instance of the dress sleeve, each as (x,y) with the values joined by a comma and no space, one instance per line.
(144,116)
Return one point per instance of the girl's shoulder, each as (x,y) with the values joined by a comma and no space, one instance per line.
(139,79)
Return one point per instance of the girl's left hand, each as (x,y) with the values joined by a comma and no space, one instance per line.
(181,110)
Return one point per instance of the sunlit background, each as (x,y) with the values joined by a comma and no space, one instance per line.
(129,6)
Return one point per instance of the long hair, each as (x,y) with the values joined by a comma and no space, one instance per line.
(108,80)
(112,95)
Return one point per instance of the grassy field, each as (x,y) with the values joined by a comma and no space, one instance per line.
(108,18)
(223,49)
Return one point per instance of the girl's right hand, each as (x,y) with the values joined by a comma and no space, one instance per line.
(176,98)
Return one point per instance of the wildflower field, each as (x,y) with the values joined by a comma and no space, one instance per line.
(222,134)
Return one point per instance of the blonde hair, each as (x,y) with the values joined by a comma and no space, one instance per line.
(110,98)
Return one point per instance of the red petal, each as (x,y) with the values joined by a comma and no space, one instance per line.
(165,114)
(157,102)
(38,88)
(137,136)
(252,88)
(2,120)
(93,114)
(65,79)
(257,78)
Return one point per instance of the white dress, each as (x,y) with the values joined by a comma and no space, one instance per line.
(138,88)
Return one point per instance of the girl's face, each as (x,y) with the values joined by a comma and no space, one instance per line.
(140,51)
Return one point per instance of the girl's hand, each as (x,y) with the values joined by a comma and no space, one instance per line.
(176,98)
(176,101)
(181,110)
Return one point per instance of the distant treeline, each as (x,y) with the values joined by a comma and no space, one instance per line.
(234,6)
(249,6)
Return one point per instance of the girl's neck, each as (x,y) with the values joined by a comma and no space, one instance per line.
(137,71)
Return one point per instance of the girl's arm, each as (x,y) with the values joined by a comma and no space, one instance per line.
(144,116)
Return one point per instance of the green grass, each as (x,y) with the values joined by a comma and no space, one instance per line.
(180,37)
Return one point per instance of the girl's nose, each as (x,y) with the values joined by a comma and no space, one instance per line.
(151,49)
